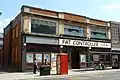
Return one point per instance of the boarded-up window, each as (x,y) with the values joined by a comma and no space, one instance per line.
(16,31)
(16,54)
(13,33)
(13,54)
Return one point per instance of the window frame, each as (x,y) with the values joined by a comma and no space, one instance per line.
(98,29)
(69,26)
(44,19)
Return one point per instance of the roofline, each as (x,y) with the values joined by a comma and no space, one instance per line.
(97,19)
(115,22)
(74,14)
(37,8)
(63,12)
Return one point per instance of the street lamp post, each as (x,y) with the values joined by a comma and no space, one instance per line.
(88,52)
(23,56)
(61,47)
(89,60)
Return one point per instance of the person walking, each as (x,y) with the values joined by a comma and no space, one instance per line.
(35,66)
(45,63)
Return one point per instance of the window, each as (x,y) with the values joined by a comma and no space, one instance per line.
(13,50)
(100,33)
(95,57)
(29,58)
(13,33)
(73,30)
(43,26)
(16,54)
(47,56)
(16,31)
(82,58)
(39,57)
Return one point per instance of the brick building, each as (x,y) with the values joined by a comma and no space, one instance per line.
(1,50)
(115,41)
(39,33)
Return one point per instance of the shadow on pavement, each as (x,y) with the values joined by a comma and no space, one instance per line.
(83,70)
(46,79)
(2,72)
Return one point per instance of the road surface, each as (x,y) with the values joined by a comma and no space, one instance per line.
(97,76)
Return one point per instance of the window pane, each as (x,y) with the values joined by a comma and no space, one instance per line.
(95,57)
(82,58)
(39,57)
(44,27)
(29,57)
(73,30)
(98,35)
(47,56)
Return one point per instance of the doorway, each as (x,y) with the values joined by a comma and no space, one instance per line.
(75,59)
(115,61)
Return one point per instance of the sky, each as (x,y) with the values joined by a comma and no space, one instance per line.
(107,10)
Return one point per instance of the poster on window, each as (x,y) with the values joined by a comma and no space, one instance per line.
(53,57)
(39,57)
(95,57)
(82,58)
(53,63)
(29,57)
(47,56)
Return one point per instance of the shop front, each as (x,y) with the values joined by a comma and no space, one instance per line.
(40,53)
(86,54)
(115,59)
(40,48)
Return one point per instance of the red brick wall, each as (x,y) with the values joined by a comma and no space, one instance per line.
(6,48)
(12,39)
(98,22)
(16,45)
(76,18)
(45,12)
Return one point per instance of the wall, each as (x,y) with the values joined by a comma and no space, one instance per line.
(6,46)
(12,45)
(115,35)
(61,17)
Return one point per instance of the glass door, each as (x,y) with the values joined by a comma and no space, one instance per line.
(102,58)
(83,62)
(108,60)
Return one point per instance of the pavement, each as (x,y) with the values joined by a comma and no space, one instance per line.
(31,76)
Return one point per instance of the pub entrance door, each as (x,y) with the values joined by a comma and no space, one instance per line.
(75,59)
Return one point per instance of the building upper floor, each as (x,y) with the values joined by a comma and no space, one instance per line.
(115,35)
(38,21)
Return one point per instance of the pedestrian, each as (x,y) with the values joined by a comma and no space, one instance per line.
(45,63)
(35,66)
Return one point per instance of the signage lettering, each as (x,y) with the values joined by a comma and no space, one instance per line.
(84,43)
(66,41)
(77,43)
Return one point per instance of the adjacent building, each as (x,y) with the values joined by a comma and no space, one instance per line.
(42,34)
(115,41)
